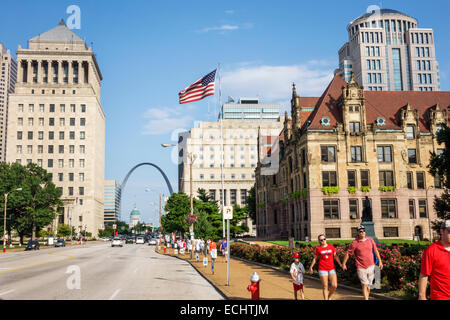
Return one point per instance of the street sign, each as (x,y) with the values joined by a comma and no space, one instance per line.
(205,261)
(228,212)
(192,233)
(114,226)
(175,251)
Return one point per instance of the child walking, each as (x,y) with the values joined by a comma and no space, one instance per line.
(297,271)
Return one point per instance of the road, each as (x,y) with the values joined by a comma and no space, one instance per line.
(97,271)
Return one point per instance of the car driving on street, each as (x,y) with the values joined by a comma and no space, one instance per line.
(32,245)
(60,243)
(139,240)
(116,242)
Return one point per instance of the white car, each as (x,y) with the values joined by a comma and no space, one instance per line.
(116,242)
(152,241)
(140,240)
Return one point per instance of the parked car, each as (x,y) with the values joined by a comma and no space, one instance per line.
(117,242)
(139,240)
(129,240)
(60,243)
(152,241)
(32,245)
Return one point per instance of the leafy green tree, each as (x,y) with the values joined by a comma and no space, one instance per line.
(32,208)
(63,230)
(202,227)
(251,203)
(440,166)
(237,224)
(203,196)
(178,207)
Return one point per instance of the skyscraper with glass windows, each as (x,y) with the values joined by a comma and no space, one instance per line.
(112,200)
(387,51)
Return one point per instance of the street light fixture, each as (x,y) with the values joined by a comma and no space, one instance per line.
(4,218)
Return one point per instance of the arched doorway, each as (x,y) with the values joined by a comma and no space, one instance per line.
(418,232)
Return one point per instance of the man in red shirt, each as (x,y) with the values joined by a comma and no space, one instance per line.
(436,265)
(363,248)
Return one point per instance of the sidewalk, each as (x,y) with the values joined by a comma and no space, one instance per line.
(274,285)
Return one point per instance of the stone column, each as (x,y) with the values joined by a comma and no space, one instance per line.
(50,71)
(40,74)
(29,73)
(60,72)
(70,73)
(20,71)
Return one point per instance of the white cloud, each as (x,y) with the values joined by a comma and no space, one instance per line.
(166,120)
(273,84)
(222,28)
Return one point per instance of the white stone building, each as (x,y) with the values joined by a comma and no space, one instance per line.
(240,154)
(55,119)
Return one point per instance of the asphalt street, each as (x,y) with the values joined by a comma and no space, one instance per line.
(97,271)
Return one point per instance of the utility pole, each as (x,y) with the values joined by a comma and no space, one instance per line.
(191,226)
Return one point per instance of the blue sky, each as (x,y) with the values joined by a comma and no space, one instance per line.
(149,50)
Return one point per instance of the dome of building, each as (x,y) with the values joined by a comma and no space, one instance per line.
(135,212)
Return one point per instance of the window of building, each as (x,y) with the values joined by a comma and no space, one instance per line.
(243,196)
(412,157)
(356,154)
(329,179)
(351,174)
(40,149)
(71,163)
(353,205)
(388,209)
(52,108)
(81,177)
(423,213)
(72,135)
(412,209)
(82,135)
(410,132)
(82,122)
(70,191)
(41,135)
(81,191)
(333,233)
(70,176)
(233,193)
(61,135)
(50,163)
(331,209)
(409,180)
(354,232)
(60,177)
(51,121)
(51,135)
(83,108)
(30,135)
(72,108)
(384,154)
(386,178)
(61,163)
(420,177)
(82,163)
(61,149)
(355,127)
(328,154)
(50,149)
(212,194)
(390,232)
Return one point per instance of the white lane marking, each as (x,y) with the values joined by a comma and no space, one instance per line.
(6,292)
(114,294)
(5,268)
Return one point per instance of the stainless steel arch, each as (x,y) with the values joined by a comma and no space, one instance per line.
(122,187)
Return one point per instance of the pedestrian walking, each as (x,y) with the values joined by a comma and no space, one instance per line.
(326,254)
(364,249)
(436,266)
(223,248)
(213,252)
(297,271)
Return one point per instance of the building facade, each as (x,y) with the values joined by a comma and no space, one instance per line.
(387,51)
(8,78)
(240,154)
(354,144)
(112,201)
(55,120)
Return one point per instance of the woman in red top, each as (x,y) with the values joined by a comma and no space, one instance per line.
(326,253)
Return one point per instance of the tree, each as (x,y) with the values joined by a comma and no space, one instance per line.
(440,166)
(122,228)
(63,230)
(236,224)
(203,228)
(178,207)
(251,203)
(203,196)
(32,208)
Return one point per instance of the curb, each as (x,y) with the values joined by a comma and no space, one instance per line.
(374,295)
(201,274)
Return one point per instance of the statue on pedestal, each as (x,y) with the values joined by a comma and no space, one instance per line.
(367,211)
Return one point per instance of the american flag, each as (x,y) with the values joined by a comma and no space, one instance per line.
(199,89)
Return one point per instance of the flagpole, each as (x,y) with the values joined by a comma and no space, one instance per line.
(221,150)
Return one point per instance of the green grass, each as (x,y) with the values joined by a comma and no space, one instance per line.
(388,242)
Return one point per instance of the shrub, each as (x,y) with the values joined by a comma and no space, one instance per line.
(365,189)
(386,189)
(329,191)
(351,190)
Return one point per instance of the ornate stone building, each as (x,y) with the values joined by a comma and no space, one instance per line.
(55,119)
(348,144)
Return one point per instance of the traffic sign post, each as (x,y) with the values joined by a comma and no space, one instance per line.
(228,215)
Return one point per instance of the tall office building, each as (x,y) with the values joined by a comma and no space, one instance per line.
(55,120)
(7,82)
(112,201)
(242,124)
(388,51)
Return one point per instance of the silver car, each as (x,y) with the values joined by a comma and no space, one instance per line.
(152,241)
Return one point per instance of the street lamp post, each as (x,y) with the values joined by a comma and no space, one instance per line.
(4,218)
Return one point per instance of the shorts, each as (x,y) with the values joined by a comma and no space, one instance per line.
(366,276)
(297,287)
(323,273)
